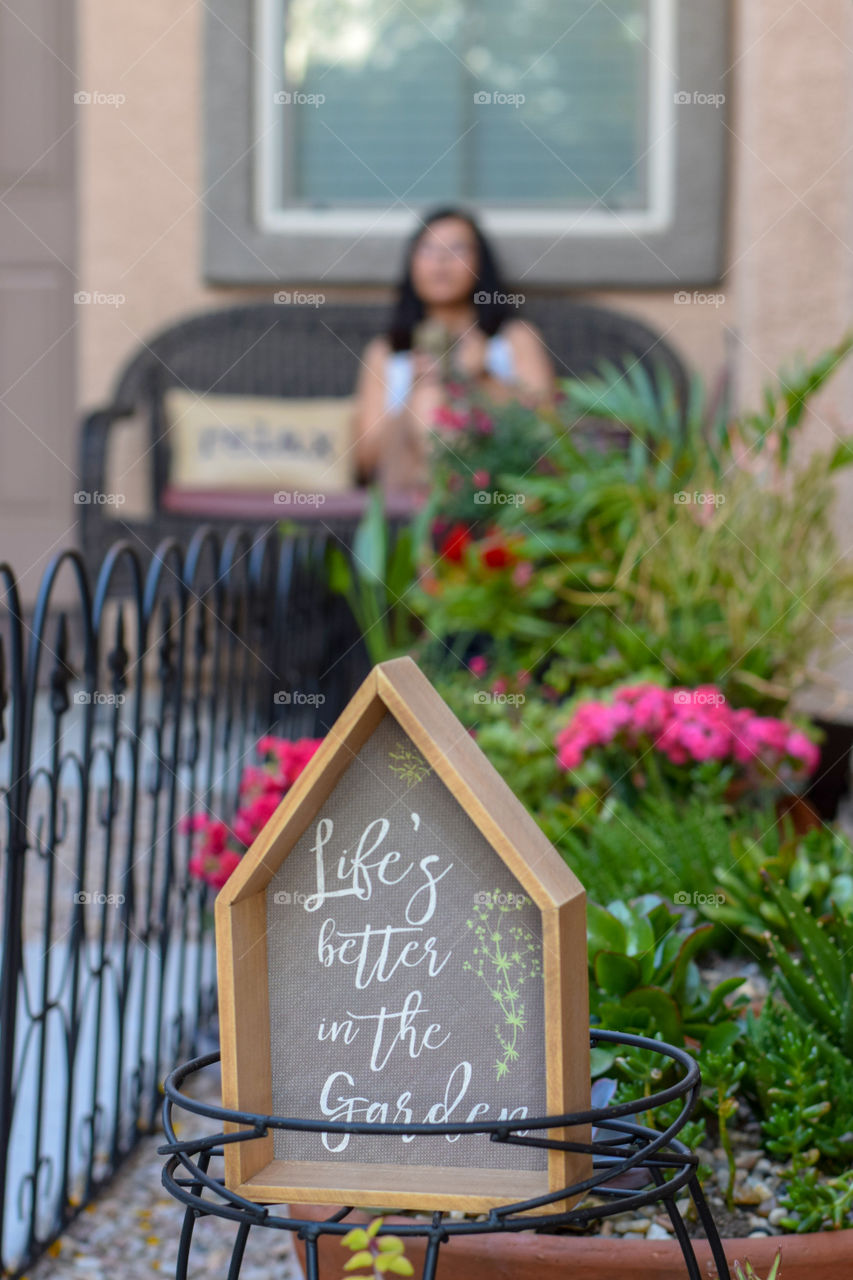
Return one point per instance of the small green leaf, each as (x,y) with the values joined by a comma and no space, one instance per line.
(374,1227)
(362,1259)
(604,930)
(370,543)
(390,1244)
(601,1060)
(616,974)
(662,1009)
(396,1264)
(356,1239)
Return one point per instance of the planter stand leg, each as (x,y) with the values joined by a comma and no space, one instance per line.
(698,1197)
(189,1222)
(431,1258)
(184,1244)
(312,1266)
(680,1230)
(238,1251)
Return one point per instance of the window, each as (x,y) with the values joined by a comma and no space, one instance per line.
(588,135)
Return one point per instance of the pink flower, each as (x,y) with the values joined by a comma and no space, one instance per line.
(570,755)
(481,479)
(478,666)
(257,780)
(291,757)
(801,748)
(214,833)
(649,707)
(686,726)
(522,573)
(252,818)
(453,419)
(261,790)
(213,870)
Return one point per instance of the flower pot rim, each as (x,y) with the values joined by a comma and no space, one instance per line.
(505,1254)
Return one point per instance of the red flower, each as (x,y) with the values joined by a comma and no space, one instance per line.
(453,544)
(497,554)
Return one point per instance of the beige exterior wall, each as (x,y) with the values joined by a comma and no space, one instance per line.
(789,279)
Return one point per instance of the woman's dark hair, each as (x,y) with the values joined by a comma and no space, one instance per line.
(409,309)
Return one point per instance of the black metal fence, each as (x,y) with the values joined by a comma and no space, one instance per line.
(126,705)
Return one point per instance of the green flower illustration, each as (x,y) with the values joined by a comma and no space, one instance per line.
(505,956)
(408,765)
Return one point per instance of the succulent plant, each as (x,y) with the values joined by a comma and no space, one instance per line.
(746,1271)
(818,983)
(644,979)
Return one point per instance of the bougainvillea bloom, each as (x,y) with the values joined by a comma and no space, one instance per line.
(686,726)
(219,848)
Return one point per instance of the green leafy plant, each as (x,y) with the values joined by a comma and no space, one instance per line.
(818,1204)
(377,579)
(380,1254)
(818,983)
(663,436)
(644,978)
(816,867)
(725,1070)
(802,1085)
(676,439)
(746,1271)
(479,451)
(658,846)
(784,403)
(748,587)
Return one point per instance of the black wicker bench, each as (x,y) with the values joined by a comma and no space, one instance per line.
(295,351)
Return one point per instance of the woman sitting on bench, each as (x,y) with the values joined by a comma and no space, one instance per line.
(452,322)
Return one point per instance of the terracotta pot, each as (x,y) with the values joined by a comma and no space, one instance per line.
(824,1256)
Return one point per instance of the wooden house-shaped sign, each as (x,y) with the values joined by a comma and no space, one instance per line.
(402,945)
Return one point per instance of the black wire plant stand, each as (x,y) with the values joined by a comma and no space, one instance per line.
(633,1166)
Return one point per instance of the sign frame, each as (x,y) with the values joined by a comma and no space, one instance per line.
(400,688)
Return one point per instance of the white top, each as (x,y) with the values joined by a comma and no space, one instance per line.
(499,363)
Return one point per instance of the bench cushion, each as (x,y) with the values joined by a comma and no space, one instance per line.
(259,443)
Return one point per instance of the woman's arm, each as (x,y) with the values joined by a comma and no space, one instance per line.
(380,433)
(370,419)
(534,372)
